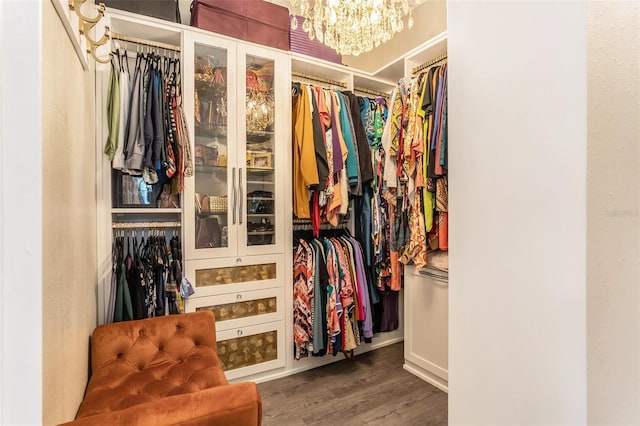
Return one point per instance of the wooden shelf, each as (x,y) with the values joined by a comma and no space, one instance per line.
(211,169)
(145,210)
(207,214)
(259,171)
(260,182)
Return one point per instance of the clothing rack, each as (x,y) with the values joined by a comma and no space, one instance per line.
(305,225)
(149,43)
(371,92)
(318,79)
(135,225)
(429,63)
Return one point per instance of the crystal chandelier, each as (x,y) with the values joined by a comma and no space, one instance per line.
(351,27)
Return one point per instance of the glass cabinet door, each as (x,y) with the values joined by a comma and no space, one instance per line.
(260,153)
(215,175)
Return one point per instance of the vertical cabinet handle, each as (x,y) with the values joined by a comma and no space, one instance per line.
(233,188)
(241,189)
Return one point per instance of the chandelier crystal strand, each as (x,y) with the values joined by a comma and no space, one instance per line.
(352,27)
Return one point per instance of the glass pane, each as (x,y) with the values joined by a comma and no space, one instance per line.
(249,350)
(235,274)
(260,138)
(211,147)
(247,308)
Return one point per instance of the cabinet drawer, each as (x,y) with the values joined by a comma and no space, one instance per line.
(232,275)
(250,350)
(241,309)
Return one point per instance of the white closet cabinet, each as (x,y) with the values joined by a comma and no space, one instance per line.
(238,118)
(234,206)
(426,337)
(237,102)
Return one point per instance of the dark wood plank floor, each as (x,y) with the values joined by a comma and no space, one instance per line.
(373,389)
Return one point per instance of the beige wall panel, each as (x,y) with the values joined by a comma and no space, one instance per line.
(69,221)
(613,213)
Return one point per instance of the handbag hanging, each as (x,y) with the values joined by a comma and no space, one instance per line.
(208,233)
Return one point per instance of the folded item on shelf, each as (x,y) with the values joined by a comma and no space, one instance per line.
(439,260)
(206,155)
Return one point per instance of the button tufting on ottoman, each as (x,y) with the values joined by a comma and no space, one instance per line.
(137,380)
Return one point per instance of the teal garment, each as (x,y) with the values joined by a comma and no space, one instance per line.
(347,135)
(113,112)
(354,188)
(124,308)
(444,157)
(367,114)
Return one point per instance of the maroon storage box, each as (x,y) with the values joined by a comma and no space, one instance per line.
(256,21)
(299,42)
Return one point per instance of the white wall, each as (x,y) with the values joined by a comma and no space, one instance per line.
(20,213)
(613,213)
(69,222)
(517,146)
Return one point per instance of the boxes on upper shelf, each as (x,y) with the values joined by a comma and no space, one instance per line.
(251,20)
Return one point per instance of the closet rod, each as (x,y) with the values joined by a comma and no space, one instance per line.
(306,225)
(429,63)
(144,42)
(318,79)
(323,227)
(371,92)
(137,225)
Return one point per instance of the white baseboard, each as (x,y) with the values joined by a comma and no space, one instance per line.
(427,376)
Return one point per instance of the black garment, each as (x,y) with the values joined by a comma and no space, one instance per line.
(134,279)
(389,320)
(363,226)
(324,283)
(364,154)
(158,270)
(428,100)
(153,125)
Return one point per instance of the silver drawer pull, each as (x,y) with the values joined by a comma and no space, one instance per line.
(239,297)
(239,332)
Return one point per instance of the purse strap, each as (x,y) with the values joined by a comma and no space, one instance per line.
(178,18)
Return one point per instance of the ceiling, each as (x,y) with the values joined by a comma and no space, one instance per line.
(430,19)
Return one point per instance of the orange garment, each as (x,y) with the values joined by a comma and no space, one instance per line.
(397,268)
(443,231)
(305,168)
(335,206)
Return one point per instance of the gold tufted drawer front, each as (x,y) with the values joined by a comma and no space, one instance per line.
(233,275)
(242,308)
(237,310)
(247,350)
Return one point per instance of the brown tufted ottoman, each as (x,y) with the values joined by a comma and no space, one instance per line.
(163,371)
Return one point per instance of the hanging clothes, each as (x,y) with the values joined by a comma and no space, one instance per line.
(330,145)
(331,296)
(146,276)
(148,135)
